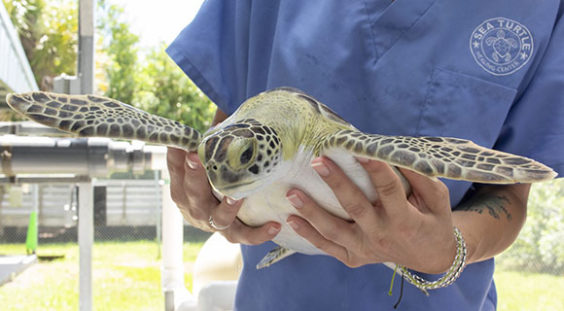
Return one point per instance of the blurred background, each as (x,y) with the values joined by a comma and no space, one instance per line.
(131,66)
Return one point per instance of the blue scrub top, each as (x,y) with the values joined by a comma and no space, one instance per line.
(489,71)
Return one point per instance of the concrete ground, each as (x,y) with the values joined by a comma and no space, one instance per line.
(11,266)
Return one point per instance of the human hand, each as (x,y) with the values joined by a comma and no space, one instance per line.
(192,193)
(414,231)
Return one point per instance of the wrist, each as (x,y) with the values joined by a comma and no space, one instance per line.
(471,239)
(439,259)
(446,257)
(449,277)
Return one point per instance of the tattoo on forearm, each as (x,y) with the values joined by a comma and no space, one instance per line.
(494,204)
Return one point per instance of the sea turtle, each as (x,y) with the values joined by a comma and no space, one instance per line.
(265,148)
(501,46)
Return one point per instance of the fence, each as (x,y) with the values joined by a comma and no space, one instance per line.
(130,209)
(123,210)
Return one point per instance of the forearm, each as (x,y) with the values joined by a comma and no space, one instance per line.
(219,117)
(491,219)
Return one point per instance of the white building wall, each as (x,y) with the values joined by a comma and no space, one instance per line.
(15,72)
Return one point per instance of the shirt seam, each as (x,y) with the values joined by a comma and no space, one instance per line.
(198,78)
(400,33)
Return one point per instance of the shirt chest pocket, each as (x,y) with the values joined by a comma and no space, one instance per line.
(463,106)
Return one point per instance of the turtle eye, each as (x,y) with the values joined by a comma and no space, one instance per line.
(247,155)
(241,153)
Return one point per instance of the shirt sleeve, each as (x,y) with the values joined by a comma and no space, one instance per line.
(221,46)
(535,124)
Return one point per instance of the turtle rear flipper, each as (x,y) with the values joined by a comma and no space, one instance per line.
(452,158)
(97,116)
(274,256)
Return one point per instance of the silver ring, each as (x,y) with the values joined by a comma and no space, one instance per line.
(215,226)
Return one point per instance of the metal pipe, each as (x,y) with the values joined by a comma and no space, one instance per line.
(29,128)
(86,20)
(85,241)
(94,157)
(172,274)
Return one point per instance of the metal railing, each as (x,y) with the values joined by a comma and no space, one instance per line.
(128,203)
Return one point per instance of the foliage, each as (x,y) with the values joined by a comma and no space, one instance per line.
(540,245)
(166,91)
(120,45)
(48,32)
(154,84)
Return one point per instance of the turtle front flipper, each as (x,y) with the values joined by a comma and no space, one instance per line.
(452,158)
(96,116)
(274,256)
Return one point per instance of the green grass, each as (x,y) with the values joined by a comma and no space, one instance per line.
(126,277)
(529,291)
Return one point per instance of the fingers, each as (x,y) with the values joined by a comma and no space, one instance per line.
(334,236)
(175,158)
(391,230)
(306,230)
(197,189)
(389,188)
(189,187)
(351,198)
(430,194)
(191,191)
(238,232)
(196,182)
(225,213)
(329,226)
(176,165)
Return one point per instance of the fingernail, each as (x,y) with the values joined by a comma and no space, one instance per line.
(295,200)
(293,224)
(230,201)
(320,168)
(192,163)
(273,230)
(362,160)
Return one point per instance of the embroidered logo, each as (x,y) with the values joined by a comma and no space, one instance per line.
(501,46)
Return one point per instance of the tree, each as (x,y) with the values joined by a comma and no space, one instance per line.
(156,84)
(120,45)
(166,91)
(48,32)
(540,245)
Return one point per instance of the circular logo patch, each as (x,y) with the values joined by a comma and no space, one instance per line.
(501,46)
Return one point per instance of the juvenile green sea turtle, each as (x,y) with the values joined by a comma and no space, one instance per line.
(266,146)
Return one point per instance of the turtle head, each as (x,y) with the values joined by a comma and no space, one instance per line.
(241,157)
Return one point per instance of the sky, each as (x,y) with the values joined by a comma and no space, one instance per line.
(156,21)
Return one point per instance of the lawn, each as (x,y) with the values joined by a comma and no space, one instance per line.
(529,291)
(127,277)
